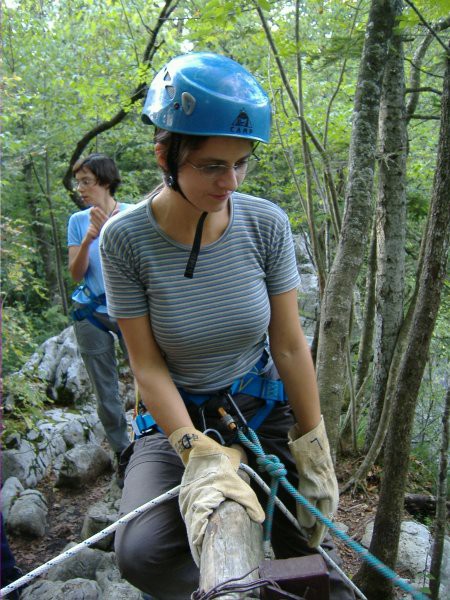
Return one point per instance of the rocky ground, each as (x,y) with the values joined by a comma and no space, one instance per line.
(67,509)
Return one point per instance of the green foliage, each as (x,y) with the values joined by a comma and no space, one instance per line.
(24,404)
(18,338)
(23,332)
(19,277)
(70,66)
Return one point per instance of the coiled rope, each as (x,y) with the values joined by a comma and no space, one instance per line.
(276,469)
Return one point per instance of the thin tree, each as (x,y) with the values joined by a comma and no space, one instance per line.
(441,505)
(386,533)
(137,94)
(338,296)
(391,230)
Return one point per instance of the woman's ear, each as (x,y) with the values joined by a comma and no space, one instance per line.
(161,155)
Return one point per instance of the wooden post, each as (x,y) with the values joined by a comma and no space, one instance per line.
(232,546)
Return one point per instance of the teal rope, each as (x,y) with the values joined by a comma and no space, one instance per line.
(276,469)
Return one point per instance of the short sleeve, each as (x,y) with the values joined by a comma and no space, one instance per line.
(74,230)
(125,293)
(281,266)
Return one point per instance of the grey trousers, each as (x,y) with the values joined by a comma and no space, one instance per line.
(97,349)
(153,551)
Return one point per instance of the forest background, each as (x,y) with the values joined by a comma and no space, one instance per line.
(359,159)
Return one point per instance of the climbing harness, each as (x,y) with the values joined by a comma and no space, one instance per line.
(88,311)
(252,383)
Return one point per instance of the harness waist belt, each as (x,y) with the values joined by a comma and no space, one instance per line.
(252,384)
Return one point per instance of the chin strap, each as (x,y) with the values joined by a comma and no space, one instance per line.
(172,182)
(192,261)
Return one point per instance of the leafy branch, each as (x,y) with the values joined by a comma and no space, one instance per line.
(138,93)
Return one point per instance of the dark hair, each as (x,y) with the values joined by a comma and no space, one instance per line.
(178,146)
(104,169)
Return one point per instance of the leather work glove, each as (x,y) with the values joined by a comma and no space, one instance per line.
(210,478)
(317,479)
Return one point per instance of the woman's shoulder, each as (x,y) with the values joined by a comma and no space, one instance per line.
(80,215)
(126,223)
(257,207)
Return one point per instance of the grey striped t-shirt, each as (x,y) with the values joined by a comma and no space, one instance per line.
(211,329)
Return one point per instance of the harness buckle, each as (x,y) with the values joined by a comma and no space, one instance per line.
(143,424)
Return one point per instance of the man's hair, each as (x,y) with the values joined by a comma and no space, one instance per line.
(104,169)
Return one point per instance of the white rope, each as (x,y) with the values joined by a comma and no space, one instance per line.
(173,493)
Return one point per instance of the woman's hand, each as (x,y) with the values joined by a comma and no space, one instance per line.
(98,218)
(317,479)
(210,478)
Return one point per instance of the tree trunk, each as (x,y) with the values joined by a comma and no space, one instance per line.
(365,350)
(56,242)
(386,534)
(441,508)
(338,295)
(391,229)
(416,68)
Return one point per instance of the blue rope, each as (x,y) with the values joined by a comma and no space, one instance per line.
(273,466)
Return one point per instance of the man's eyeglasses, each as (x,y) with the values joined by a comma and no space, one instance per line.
(85,182)
(241,168)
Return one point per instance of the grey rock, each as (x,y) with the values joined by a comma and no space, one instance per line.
(110,582)
(74,589)
(83,464)
(58,363)
(72,432)
(19,463)
(11,490)
(99,516)
(121,590)
(444,589)
(28,515)
(82,564)
(414,554)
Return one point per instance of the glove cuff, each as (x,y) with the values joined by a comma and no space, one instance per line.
(183,440)
(319,432)
(311,447)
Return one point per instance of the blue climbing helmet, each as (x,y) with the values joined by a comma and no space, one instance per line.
(202,93)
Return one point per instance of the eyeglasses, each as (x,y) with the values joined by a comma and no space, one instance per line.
(85,182)
(241,168)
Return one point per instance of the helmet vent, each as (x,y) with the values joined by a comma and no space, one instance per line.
(188,103)
(170,91)
(167,76)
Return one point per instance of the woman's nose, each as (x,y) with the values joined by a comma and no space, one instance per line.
(229,180)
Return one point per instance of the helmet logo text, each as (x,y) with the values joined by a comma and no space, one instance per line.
(241,124)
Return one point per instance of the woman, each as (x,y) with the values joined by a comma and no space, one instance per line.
(97,179)
(199,277)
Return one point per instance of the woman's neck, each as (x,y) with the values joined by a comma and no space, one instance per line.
(108,204)
(178,218)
